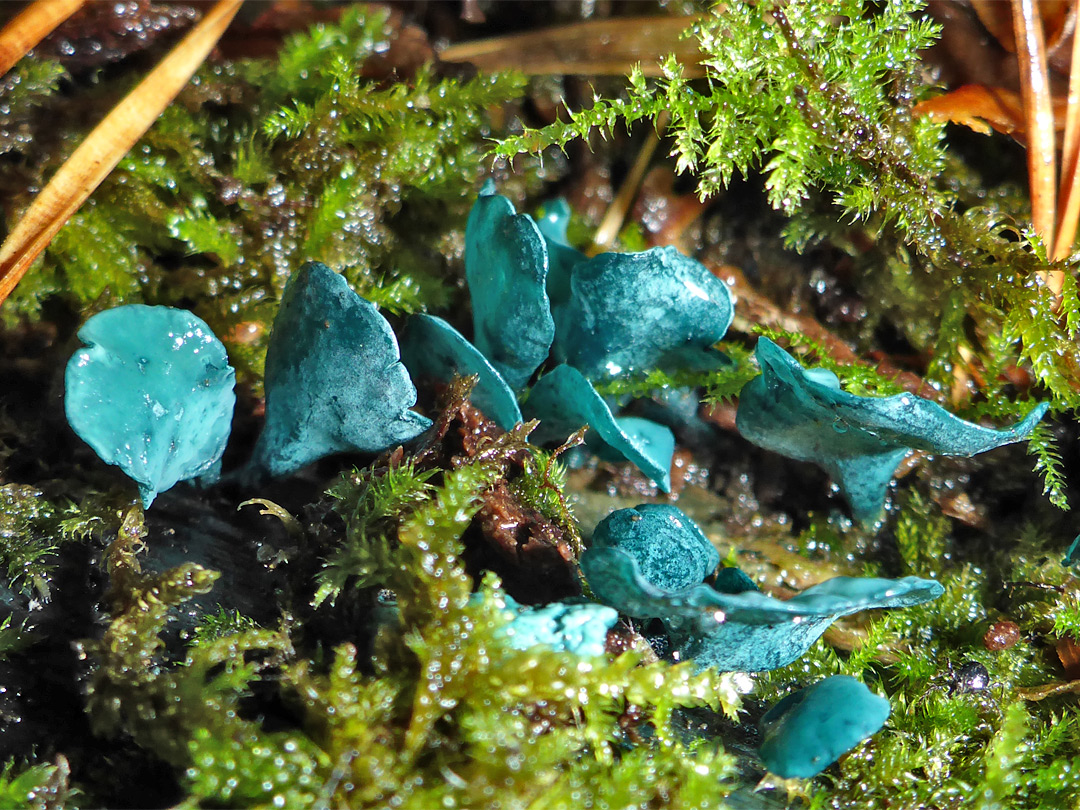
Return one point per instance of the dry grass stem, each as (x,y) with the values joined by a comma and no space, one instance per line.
(612,223)
(30,26)
(1039,115)
(106,145)
(597,48)
(1069,191)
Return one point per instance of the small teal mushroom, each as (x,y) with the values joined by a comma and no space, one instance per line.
(431,348)
(631,312)
(564,401)
(152,393)
(579,628)
(334,381)
(678,409)
(656,308)
(749,631)
(859,441)
(561,257)
(810,729)
(670,549)
(506,266)
(730,625)
(1072,554)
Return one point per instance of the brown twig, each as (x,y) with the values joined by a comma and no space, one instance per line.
(1069,190)
(106,146)
(598,47)
(1037,693)
(1039,117)
(613,219)
(33,24)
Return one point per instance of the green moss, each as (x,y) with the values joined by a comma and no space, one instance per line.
(370,501)
(224,623)
(719,386)
(922,535)
(248,768)
(413,697)
(446,714)
(819,96)
(28,85)
(32,532)
(37,787)
(129,690)
(265,164)
(1067,617)
(14,638)
(1049,464)
(1004,755)
(542,485)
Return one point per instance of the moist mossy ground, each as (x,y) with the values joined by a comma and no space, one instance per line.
(327,652)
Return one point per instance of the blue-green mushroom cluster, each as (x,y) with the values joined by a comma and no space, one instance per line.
(152,392)
(535,300)
(506,267)
(430,346)
(654,562)
(337,381)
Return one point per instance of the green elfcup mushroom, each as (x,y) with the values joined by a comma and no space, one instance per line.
(433,349)
(506,267)
(564,401)
(630,312)
(578,628)
(650,563)
(858,441)
(151,392)
(334,380)
(809,730)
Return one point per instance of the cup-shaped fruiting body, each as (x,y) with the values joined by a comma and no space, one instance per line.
(859,441)
(432,349)
(334,380)
(506,266)
(152,392)
(629,312)
(671,551)
(580,628)
(728,625)
(564,401)
(810,729)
